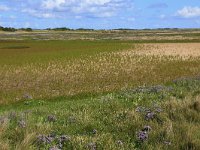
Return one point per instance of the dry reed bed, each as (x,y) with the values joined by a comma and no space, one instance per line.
(100,73)
(183,50)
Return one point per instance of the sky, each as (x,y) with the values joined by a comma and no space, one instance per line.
(100,14)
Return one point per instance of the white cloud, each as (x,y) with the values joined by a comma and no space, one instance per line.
(74,8)
(29,11)
(45,15)
(105,14)
(38,14)
(52,4)
(95,8)
(4,8)
(59,4)
(189,12)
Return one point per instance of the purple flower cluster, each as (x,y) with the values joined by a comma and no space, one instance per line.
(43,139)
(143,134)
(145,109)
(48,139)
(150,115)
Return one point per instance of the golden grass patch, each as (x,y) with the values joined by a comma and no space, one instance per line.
(184,50)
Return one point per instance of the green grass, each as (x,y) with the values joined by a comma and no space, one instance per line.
(109,121)
(24,52)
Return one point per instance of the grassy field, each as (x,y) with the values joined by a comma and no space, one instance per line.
(100,94)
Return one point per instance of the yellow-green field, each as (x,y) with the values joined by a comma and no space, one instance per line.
(45,69)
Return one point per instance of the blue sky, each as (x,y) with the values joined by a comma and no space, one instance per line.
(100,14)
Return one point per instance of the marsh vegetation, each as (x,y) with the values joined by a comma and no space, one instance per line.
(100,94)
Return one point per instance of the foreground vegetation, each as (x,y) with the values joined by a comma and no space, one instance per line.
(155,117)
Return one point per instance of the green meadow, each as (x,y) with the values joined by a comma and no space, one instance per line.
(97,94)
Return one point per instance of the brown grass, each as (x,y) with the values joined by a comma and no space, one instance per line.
(184,50)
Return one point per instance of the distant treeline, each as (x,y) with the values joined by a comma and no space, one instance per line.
(59,29)
(68,29)
(9,29)
(26,29)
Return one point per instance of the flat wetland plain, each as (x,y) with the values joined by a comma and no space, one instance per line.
(117,89)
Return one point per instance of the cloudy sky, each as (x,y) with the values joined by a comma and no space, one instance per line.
(100,14)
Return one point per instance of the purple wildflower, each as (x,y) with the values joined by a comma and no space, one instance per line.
(150,116)
(142,136)
(43,139)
